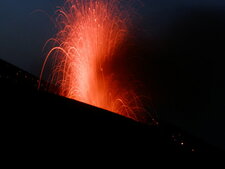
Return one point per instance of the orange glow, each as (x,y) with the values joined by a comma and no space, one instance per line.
(90,35)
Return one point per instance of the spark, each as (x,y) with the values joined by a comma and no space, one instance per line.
(91,33)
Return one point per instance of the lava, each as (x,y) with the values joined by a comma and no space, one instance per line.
(90,35)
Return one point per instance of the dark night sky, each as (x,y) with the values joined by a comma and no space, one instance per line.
(180,46)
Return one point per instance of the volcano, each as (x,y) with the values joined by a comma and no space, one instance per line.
(36,120)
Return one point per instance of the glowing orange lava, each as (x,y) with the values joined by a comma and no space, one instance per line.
(90,35)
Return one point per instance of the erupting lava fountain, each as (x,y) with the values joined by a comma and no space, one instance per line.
(90,35)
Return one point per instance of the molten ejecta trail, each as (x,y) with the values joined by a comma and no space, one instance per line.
(90,35)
